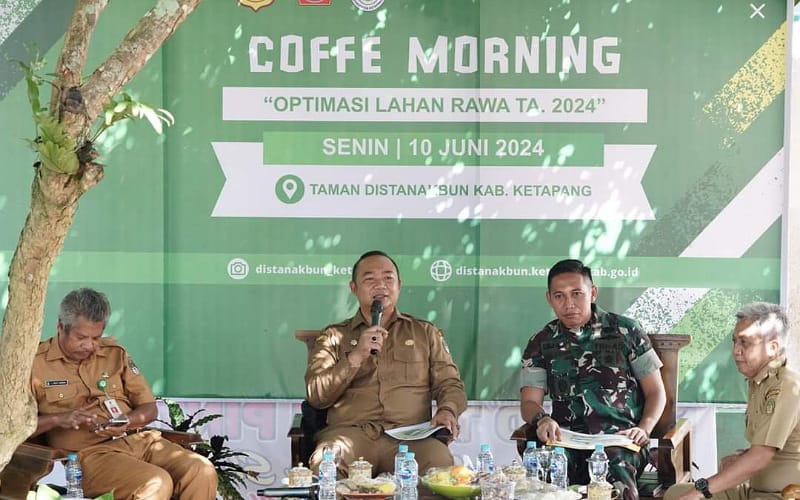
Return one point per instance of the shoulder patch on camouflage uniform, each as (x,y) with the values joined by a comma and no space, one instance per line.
(769,399)
(132,366)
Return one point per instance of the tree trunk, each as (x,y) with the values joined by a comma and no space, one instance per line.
(54,198)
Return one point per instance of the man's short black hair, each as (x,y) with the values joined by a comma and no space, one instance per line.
(569,266)
(373,253)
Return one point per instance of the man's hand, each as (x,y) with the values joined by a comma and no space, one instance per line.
(548,430)
(446,418)
(74,419)
(112,428)
(637,435)
(371,338)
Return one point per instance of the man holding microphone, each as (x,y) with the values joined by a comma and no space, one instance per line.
(374,377)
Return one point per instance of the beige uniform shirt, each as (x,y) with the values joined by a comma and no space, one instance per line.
(60,385)
(394,387)
(773,419)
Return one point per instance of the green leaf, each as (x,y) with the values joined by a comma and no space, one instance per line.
(43,492)
(176,415)
(106,496)
(207,419)
(56,158)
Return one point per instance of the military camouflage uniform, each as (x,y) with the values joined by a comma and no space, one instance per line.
(592,376)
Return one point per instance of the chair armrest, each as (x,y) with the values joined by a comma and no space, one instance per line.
(185,439)
(28,464)
(296,430)
(675,436)
(520,433)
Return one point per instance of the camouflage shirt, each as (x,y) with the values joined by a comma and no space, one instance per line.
(591,374)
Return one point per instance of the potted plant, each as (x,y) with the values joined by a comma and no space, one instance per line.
(229,472)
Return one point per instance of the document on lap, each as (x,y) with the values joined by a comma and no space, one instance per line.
(413,432)
(581,441)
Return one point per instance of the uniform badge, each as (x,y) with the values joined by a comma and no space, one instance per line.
(770,398)
(353,342)
(55,383)
(409,342)
(133,367)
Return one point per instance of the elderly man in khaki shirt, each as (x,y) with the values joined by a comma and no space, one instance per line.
(377,377)
(773,414)
(81,381)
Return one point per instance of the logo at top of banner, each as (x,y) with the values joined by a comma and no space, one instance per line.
(256,4)
(441,270)
(367,4)
(314,2)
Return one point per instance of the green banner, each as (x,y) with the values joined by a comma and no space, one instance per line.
(477,142)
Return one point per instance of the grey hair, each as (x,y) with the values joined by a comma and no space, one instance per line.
(770,318)
(90,304)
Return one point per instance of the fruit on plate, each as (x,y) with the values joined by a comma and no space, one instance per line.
(374,486)
(454,475)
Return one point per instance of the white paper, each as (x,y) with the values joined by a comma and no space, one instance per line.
(413,432)
(580,441)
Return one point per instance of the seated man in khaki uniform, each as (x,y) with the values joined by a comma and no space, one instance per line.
(377,377)
(80,381)
(772,425)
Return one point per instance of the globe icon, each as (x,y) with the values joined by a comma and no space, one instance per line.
(441,270)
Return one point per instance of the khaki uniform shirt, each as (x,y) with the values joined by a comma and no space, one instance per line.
(391,389)
(60,385)
(773,419)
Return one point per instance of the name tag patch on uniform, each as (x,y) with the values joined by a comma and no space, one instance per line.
(55,383)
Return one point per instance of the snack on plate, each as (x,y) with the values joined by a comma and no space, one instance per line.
(452,482)
(456,474)
(360,486)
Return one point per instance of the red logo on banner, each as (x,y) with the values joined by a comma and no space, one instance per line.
(256,4)
(314,2)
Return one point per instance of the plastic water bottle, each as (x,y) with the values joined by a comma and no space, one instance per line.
(558,468)
(598,489)
(530,460)
(485,459)
(598,464)
(409,477)
(74,475)
(398,463)
(327,477)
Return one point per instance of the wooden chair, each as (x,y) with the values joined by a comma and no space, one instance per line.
(312,420)
(30,462)
(33,460)
(673,453)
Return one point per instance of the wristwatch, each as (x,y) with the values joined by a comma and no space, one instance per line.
(701,485)
(538,416)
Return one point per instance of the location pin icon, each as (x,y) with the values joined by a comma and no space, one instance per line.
(289,187)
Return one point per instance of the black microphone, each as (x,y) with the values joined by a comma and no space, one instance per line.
(307,492)
(377,312)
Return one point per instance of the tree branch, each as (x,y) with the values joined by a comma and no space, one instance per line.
(134,51)
(70,63)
